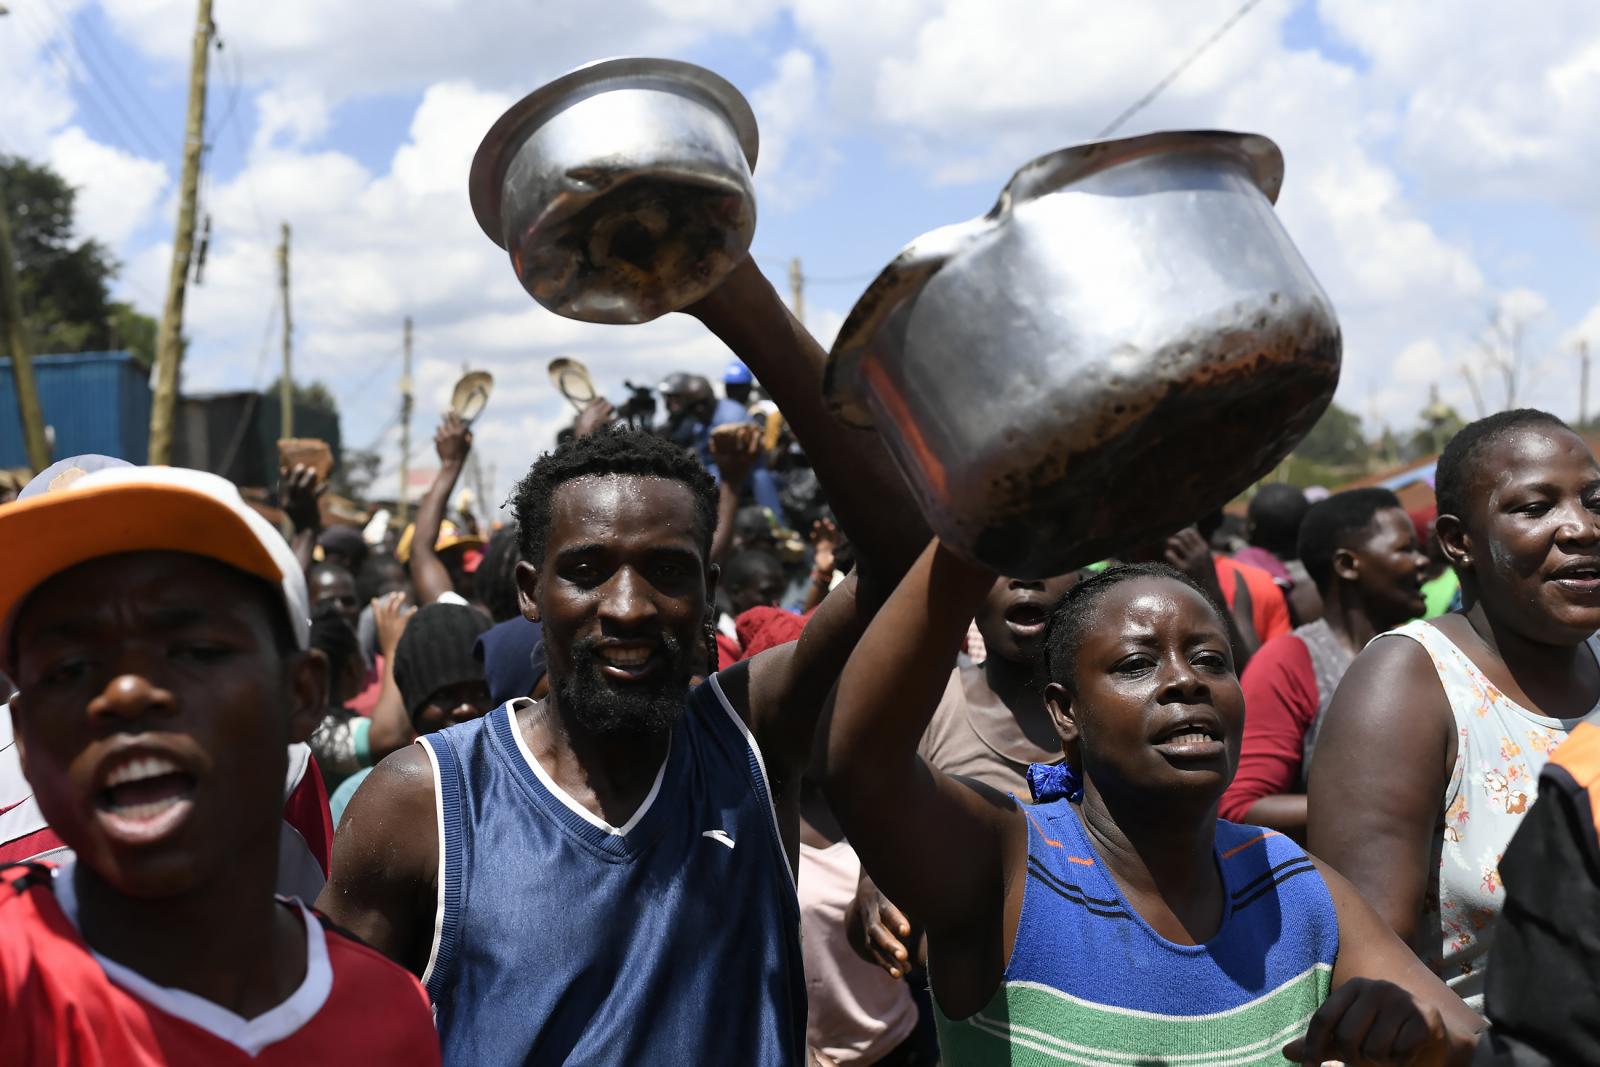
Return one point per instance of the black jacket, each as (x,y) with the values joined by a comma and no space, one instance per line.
(1543,987)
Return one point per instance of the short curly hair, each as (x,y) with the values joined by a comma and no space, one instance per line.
(1069,619)
(610,452)
(1457,463)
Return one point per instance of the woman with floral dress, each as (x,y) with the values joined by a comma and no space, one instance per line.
(1431,752)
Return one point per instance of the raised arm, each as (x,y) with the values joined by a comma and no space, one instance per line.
(860,481)
(452,442)
(937,846)
(734,450)
(782,691)
(391,726)
(301,490)
(1378,778)
(383,885)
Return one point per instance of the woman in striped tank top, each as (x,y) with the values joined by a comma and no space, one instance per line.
(1115,920)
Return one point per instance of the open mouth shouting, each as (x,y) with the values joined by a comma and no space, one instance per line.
(143,796)
(1027,619)
(1193,736)
(1579,576)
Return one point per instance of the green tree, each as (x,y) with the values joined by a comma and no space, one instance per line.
(314,395)
(1335,441)
(65,283)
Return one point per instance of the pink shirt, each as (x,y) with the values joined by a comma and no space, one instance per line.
(856,1012)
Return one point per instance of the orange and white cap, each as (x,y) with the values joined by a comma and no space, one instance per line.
(142,509)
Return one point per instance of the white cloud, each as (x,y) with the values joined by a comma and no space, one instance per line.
(294,113)
(116,191)
(1496,99)
(367,46)
(796,156)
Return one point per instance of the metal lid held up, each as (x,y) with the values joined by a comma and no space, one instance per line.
(484,182)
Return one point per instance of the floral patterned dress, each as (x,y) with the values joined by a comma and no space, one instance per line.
(1501,747)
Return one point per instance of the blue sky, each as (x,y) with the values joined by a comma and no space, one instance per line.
(1437,166)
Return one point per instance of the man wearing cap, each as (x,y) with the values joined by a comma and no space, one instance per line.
(306,837)
(156,628)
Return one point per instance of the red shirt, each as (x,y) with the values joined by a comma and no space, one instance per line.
(63,1006)
(1280,704)
(1268,610)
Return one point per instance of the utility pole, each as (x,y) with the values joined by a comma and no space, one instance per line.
(169,338)
(17,346)
(286,383)
(797,288)
(1583,384)
(405,430)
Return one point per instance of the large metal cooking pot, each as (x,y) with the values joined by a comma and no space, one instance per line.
(622,190)
(1125,342)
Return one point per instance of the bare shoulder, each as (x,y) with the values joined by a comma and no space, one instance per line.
(397,794)
(386,859)
(1392,686)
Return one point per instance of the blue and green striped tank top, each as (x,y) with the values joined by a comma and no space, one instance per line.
(1091,983)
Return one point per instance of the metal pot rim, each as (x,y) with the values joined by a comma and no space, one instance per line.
(920,260)
(523,118)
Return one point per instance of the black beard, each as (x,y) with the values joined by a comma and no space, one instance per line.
(598,707)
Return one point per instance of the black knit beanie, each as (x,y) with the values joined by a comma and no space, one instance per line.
(436,651)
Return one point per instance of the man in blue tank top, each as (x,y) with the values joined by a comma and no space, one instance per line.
(604,877)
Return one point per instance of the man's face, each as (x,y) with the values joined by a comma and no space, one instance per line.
(154,712)
(339,589)
(761,587)
(460,702)
(621,594)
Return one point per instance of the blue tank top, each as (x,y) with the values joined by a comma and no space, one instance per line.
(672,940)
(1089,982)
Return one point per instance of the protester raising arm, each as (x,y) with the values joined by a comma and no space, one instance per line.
(734,450)
(452,442)
(934,845)
(301,491)
(391,727)
(863,487)
(781,692)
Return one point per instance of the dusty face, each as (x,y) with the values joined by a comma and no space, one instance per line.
(1156,705)
(155,710)
(1532,538)
(621,594)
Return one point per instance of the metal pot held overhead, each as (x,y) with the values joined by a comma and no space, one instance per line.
(622,190)
(1125,342)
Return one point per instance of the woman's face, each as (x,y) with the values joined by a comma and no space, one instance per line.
(1157,706)
(1531,538)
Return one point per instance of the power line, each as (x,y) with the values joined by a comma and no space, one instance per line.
(121,130)
(1161,86)
(106,61)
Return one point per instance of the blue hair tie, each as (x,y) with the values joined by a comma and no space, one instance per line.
(1052,781)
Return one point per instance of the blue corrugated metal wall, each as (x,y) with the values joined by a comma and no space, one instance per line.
(95,401)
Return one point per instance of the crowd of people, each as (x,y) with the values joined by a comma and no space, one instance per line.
(714,755)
